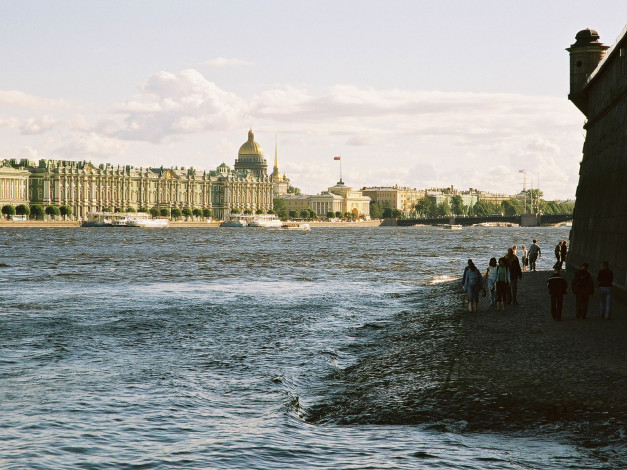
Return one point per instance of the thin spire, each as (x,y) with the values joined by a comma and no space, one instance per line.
(276,158)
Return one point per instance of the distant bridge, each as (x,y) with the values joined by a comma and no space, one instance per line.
(528,220)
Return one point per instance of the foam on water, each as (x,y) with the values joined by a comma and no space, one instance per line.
(207,348)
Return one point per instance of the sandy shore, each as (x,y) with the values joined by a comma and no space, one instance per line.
(517,370)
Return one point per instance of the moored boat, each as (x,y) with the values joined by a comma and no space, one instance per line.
(265,221)
(236,220)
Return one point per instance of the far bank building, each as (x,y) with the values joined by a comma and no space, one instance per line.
(85,187)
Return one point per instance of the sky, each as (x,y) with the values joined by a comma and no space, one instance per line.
(425,94)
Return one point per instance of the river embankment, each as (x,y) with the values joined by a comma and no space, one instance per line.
(178,223)
(517,370)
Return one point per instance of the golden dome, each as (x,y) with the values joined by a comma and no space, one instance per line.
(250,147)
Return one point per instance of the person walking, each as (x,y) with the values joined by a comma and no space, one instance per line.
(558,255)
(524,258)
(515,274)
(563,254)
(502,283)
(605,278)
(534,254)
(583,288)
(490,280)
(557,289)
(473,282)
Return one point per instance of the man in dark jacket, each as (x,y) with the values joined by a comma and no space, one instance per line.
(558,255)
(557,288)
(583,288)
(515,273)
(605,279)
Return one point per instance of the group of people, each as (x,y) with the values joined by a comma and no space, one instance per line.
(561,252)
(583,287)
(501,281)
(500,278)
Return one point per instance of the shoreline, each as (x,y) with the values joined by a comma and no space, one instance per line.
(190,223)
(517,371)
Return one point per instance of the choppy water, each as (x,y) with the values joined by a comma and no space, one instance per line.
(205,348)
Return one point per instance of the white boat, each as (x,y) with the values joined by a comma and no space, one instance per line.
(147,223)
(139,219)
(296,226)
(452,227)
(236,220)
(98,219)
(265,221)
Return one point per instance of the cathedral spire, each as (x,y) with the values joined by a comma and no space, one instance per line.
(276,158)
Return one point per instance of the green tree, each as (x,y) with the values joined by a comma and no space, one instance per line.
(37,211)
(330,214)
(443,209)
(339,215)
(107,209)
(142,209)
(279,207)
(457,205)
(206,213)
(259,212)
(486,209)
(65,211)
(270,211)
(426,207)
(164,212)
(197,212)
(293,190)
(511,207)
(8,210)
(53,211)
(293,214)
(236,211)
(176,213)
(248,211)
(312,214)
(304,214)
(131,209)
(377,209)
(155,212)
(391,213)
(187,212)
(22,209)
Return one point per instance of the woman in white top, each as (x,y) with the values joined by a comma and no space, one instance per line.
(525,260)
(490,280)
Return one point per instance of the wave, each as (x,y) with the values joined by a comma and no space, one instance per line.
(439,279)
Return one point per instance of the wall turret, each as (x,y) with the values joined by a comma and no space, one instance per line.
(585,55)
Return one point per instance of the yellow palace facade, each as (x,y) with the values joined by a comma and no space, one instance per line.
(87,188)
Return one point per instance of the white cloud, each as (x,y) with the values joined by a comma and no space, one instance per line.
(8,122)
(172,104)
(386,136)
(38,126)
(221,62)
(86,146)
(19,99)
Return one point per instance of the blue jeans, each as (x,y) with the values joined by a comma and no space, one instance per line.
(605,302)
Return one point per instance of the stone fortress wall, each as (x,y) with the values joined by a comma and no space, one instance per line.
(598,87)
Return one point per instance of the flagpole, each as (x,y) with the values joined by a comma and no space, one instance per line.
(339,157)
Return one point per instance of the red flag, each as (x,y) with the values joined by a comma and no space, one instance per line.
(337,158)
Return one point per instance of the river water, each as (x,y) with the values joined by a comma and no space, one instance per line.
(205,348)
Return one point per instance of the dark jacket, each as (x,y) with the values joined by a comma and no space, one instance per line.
(582,285)
(557,285)
(605,278)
